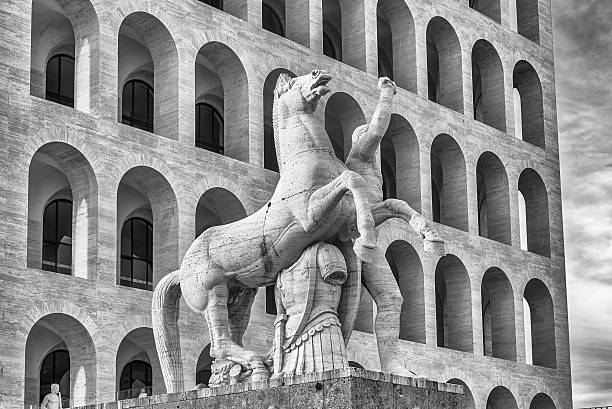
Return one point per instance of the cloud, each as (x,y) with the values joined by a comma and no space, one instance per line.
(583,60)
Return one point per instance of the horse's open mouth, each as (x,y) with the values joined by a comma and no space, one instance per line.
(320,87)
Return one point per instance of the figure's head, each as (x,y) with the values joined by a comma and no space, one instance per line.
(358,132)
(302,93)
(54,388)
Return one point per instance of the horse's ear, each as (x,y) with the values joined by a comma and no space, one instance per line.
(283,84)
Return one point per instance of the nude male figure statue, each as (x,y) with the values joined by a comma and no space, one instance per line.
(52,400)
(377,277)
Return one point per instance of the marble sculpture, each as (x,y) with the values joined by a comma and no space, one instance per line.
(319,226)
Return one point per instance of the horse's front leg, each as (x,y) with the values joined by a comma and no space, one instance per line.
(395,208)
(326,198)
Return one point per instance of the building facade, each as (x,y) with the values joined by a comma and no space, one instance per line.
(108,173)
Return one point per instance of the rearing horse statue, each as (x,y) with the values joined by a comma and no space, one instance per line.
(317,199)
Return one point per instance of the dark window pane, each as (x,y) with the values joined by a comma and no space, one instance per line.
(127,98)
(141,100)
(48,256)
(66,89)
(126,240)
(328,47)
(57,237)
(55,368)
(49,222)
(64,221)
(137,105)
(209,128)
(139,239)
(271,21)
(218,4)
(64,258)
(60,80)
(53,77)
(137,254)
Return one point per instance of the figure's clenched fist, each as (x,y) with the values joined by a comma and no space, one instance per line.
(386,83)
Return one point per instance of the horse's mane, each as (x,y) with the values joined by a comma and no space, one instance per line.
(282,86)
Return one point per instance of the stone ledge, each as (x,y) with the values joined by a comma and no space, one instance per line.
(346,388)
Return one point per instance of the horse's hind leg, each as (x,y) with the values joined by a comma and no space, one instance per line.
(239,313)
(222,346)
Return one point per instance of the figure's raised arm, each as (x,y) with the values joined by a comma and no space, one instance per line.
(381,118)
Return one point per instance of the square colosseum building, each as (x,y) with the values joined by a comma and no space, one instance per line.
(108,173)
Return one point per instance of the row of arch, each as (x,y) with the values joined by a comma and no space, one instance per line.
(62,202)
(59,349)
(148,77)
(62,187)
(454,312)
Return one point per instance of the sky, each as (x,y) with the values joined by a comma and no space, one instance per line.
(583,64)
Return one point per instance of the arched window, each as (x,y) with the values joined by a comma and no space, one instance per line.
(60,80)
(55,368)
(328,47)
(135,377)
(271,20)
(209,128)
(57,237)
(218,4)
(137,254)
(137,104)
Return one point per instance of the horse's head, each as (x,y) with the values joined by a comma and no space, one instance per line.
(302,94)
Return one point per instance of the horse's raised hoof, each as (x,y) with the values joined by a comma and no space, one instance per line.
(364,250)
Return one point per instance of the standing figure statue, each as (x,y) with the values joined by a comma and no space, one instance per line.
(308,336)
(52,400)
(377,277)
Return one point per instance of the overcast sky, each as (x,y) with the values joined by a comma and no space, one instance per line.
(583,47)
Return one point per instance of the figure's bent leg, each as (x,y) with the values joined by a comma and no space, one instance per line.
(222,346)
(380,283)
(327,197)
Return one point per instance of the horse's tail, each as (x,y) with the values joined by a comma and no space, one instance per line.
(165,311)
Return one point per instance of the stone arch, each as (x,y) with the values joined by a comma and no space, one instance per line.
(53,332)
(469,397)
(490,8)
(148,51)
(397,41)
(453,305)
(217,206)
(532,187)
(543,348)
(498,318)
(401,156)
(542,401)
(144,192)
(529,87)
(501,397)
(58,170)
(221,73)
(342,116)
(406,266)
(528,19)
(270,161)
(489,101)
(444,67)
(449,183)
(71,27)
(493,199)
(139,344)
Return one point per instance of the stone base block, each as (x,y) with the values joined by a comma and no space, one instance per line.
(342,389)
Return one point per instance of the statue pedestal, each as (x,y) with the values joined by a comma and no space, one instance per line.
(338,389)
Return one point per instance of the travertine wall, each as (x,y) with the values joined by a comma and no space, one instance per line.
(108,312)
